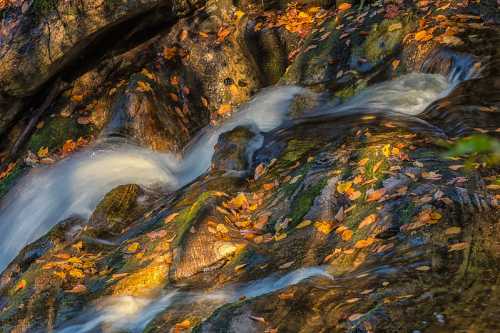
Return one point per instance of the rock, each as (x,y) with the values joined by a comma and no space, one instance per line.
(39,42)
(117,210)
(233,150)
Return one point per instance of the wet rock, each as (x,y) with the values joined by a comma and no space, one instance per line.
(233,150)
(117,210)
(39,41)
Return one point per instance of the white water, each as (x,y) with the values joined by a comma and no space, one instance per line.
(74,186)
(133,314)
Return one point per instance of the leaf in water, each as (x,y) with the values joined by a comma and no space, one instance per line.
(259,319)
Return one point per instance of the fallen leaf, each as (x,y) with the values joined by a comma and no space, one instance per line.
(224,109)
(453,231)
(43,152)
(395,26)
(344,6)
(346,235)
(21,285)
(170,218)
(78,289)
(376,195)
(286,265)
(423,36)
(304,224)
(183,325)
(76,273)
(423,268)
(458,247)
(355,316)
(370,219)
(134,247)
(324,227)
(364,243)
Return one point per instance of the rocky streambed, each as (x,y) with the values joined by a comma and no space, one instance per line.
(248,166)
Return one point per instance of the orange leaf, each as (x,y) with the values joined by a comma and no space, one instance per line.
(376,195)
(423,36)
(344,6)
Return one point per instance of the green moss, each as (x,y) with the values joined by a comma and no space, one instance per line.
(43,6)
(381,42)
(350,91)
(302,204)
(296,149)
(55,133)
(186,216)
(9,181)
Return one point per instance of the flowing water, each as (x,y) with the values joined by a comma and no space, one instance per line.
(74,186)
(132,314)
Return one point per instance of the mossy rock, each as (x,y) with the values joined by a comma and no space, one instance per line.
(56,132)
(117,210)
(384,39)
(231,151)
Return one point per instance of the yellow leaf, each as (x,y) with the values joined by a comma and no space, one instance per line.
(222,229)
(395,64)
(344,187)
(143,86)
(386,150)
(21,285)
(423,36)
(43,152)
(183,325)
(395,26)
(239,202)
(304,224)
(324,227)
(364,243)
(346,235)
(239,14)
(224,109)
(76,273)
(134,247)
